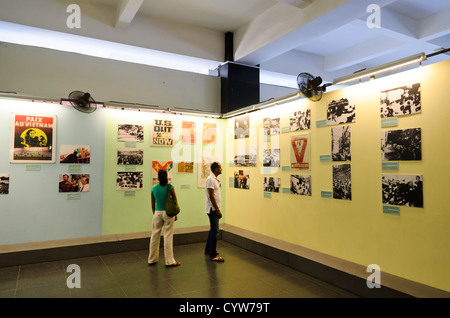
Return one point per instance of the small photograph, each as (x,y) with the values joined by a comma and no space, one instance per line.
(242,179)
(301,120)
(404,190)
(272,184)
(241,127)
(401,144)
(127,132)
(73,183)
(246,156)
(4,183)
(271,158)
(301,184)
(186,167)
(74,154)
(340,112)
(129,180)
(400,101)
(342,182)
(130,156)
(271,126)
(341,143)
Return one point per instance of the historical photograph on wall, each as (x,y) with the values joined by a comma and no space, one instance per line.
(209,133)
(404,190)
(301,184)
(271,157)
(245,156)
(204,168)
(300,152)
(400,101)
(341,143)
(158,165)
(74,154)
(242,179)
(402,144)
(301,120)
(162,133)
(271,126)
(272,184)
(74,183)
(340,111)
(241,127)
(188,132)
(33,139)
(4,183)
(130,180)
(129,132)
(130,156)
(186,167)
(342,182)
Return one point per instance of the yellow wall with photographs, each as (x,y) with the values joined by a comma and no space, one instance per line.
(414,244)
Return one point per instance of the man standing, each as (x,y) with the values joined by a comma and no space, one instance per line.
(212,208)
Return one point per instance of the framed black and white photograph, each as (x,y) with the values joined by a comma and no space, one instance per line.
(242,127)
(340,111)
(342,182)
(403,190)
(4,183)
(242,179)
(129,180)
(271,126)
(130,156)
(301,184)
(341,143)
(245,156)
(128,132)
(400,101)
(271,157)
(401,144)
(300,120)
(272,184)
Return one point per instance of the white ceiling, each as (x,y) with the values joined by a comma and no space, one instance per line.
(330,38)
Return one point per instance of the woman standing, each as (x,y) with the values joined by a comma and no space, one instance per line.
(160,220)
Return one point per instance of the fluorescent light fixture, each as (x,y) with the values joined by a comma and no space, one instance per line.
(418,58)
(25,35)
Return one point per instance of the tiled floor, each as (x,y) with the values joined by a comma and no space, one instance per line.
(127,275)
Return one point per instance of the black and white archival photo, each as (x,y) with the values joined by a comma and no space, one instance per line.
(4,183)
(241,127)
(242,179)
(271,126)
(340,111)
(127,132)
(271,158)
(400,101)
(300,120)
(272,184)
(401,144)
(342,182)
(245,156)
(404,190)
(301,184)
(341,143)
(130,180)
(130,156)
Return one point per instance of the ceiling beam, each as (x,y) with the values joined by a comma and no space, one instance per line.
(435,26)
(126,11)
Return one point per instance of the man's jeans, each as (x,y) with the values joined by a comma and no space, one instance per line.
(211,243)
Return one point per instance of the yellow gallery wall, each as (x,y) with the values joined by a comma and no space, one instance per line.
(414,244)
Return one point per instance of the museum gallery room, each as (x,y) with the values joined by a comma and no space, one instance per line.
(327,119)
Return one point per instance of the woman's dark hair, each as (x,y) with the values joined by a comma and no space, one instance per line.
(162,177)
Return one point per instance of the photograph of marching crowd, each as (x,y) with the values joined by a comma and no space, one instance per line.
(342,182)
(401,144)
(341,143)
(129,180)
(404,190)
(301,184)
(128,132)
(130,156)
(400,101)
